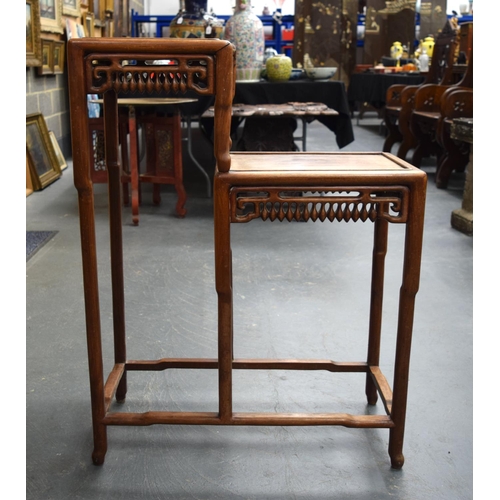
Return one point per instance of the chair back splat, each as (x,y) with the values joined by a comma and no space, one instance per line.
(376,188)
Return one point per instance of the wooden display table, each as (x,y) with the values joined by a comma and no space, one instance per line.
(376,188)
(306,111)
(163,144)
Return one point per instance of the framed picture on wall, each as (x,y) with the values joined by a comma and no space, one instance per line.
(58,56)
(50,16)
(88,24)
(108,25)
(71,8)
(33,40)
(47,67)
(97,7)
(44,166)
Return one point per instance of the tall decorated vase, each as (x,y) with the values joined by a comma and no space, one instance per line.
(246,32)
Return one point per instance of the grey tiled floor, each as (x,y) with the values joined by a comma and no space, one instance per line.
(301,290)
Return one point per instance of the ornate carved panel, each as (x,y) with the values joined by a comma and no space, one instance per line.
(121,18)
(345,205)
(135,74)
(387,22)
(432,18)
(325,32)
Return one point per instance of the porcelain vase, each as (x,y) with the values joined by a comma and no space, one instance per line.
(396,50)
(246,32)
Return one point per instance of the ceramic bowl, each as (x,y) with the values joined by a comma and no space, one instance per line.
(297,74)
(320,73)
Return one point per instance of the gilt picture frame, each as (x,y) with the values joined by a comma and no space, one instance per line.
(47,67)
(88,24)
(51,16)
(72,8)
(44,165)
(97,7)
(58,56)
(57,150)
(33,39)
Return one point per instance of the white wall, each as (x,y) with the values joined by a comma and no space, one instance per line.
(455,5)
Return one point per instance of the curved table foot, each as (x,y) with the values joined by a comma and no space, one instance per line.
(397,461)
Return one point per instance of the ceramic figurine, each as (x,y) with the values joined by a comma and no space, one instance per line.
(423,61)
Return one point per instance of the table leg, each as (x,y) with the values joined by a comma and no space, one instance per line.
(409,288)
(223,284)
(195,161)
(304,134)
(377,294)
(125,161)
(134,164)
(111,125)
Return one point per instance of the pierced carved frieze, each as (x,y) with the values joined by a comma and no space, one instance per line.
(396,94)
(459,106)
(346,204)
(99,163)
(158,74)
(429,102)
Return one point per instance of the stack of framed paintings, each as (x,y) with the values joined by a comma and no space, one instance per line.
(44,159)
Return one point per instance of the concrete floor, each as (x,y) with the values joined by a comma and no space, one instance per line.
(301,290)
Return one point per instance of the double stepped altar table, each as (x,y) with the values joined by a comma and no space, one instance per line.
(376,188)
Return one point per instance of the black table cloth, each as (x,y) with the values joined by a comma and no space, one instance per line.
(331,93)
(372,87)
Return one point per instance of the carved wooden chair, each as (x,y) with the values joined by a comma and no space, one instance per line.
(426,117)
(400,98)
(455,103)
(355,187)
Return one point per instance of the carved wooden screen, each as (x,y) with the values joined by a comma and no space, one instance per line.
(432,18)
(325,32)
(387,22)
(121,18)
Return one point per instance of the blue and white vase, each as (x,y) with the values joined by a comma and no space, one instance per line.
(246,32)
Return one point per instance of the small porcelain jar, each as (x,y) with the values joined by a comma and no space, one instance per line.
(279,68)
(428,44)
(396,50)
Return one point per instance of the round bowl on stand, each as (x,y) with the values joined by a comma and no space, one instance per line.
(320,73)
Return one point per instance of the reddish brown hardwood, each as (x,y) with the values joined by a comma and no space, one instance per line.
(348,187)
(400,99)
(434,108)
